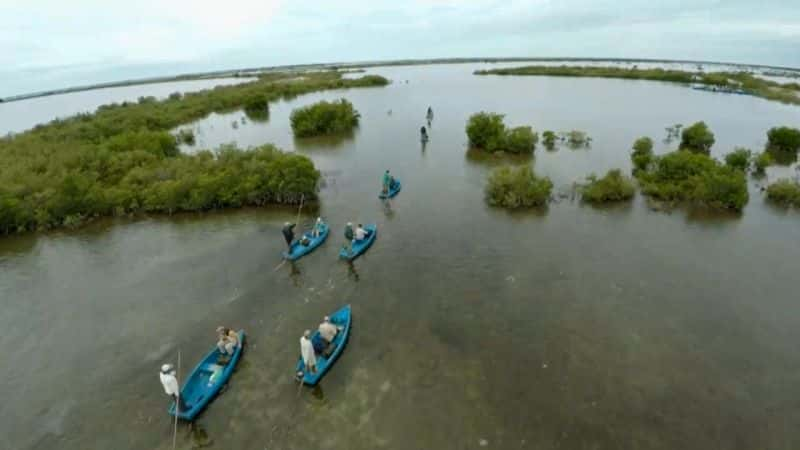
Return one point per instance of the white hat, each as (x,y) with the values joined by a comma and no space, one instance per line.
(326,319)
(307,333)
(166,368)
(286,224)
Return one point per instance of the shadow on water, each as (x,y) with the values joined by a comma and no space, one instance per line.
(387,208)
(617,208)
(478,156)
(336,141)
(710,217)
(351,271)
(260,116)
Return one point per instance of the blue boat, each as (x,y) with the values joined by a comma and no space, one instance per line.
(206,380)
(341,319)
(392,190)
(299,250)
(359,247)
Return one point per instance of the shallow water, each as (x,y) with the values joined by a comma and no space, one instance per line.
(569,327)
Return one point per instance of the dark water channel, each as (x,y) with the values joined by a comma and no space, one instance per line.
(571,327)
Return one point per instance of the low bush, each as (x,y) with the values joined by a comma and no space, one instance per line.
(739,159)
(613,187)
(784,139)
(257,108)
(324,118)
(687,176)
(642,155)
(761,162)
(549,139)
(697,138)
(785,192)
(577,139)
(517,188)
(487,132)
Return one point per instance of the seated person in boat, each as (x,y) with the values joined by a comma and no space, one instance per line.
(327,330)
(307,352)
(361,233)
(304,241)
(170,383)
(228,340)
(318,227)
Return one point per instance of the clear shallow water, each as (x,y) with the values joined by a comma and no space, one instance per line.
(22,115)
(570,327)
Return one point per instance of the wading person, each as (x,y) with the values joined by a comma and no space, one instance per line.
(423,134)
(288,233)
(429,114)
(170,383)
(388,180)
(307,352)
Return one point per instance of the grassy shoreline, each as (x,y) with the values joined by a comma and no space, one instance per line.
(731,82)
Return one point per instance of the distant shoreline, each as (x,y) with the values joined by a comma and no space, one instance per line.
(255,71)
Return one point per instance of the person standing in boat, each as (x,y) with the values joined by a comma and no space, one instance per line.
(349,234)
(288,233)
(170,382)
(228,340)
(307,352)
(317,227)
(388,182)
(423,134)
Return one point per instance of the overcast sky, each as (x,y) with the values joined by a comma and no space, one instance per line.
(48,44)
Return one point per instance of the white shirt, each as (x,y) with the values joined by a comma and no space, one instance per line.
(170,383)
(328,331)
(361,234)
(307,352)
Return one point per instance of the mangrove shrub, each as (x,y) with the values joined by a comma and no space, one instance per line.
(613,187)
(687,176)
(487,131)
(785,192)
(517,188)
(549,139)
(257,108)
(739,159)
(123,159)
(642,154)
(324,118)
(784,139)
(761,162)
(697,138)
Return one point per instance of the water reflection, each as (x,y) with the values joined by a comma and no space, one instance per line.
(336,141)
(478,156)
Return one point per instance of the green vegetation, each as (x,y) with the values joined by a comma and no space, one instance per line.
(739,159)
(783,139)
(613,187)
(185,136)
(697,138)
(576,139)
(785,192)
(123,159)
(642,155)
(740,82)
(487,131)
(761,162)
(257,108)
(517,188)
(324,118)
(687,176)
(549,139)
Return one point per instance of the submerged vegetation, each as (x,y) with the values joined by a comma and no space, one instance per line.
(517,187)
(784,192)
(324,118)
(123,159)
(736,82)
(613,187)
(185,136)
(761,162)
(487,131)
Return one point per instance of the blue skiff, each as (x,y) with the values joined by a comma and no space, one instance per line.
(299,250)
(341,319)
(392,191)
(359,247)
(205,381)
